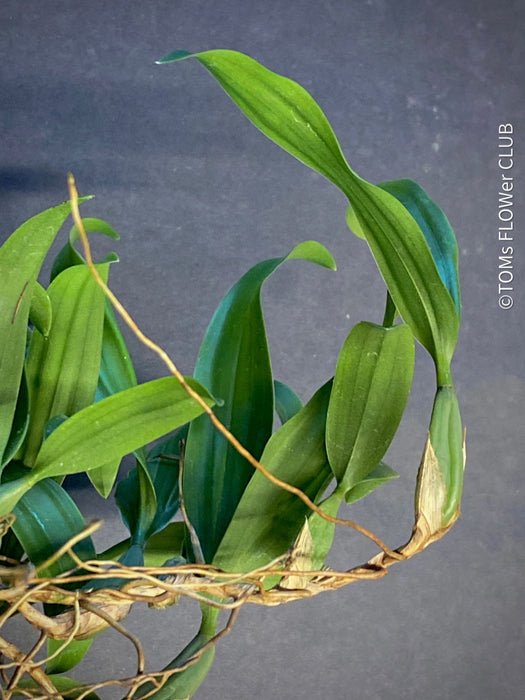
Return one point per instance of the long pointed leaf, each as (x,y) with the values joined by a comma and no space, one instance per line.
(163,468)
(436,229)
(234,363)
(63,368)
(21,257)
(107,431)
(287,403)
(288,115)
(47,518)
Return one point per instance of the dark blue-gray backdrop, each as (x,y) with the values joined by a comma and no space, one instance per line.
(413,89)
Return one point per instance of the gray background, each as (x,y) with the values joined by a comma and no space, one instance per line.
(413,89)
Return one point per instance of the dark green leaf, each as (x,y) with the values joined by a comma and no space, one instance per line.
(268,518)
(436,229)
(116,369)
(20,423)
(287,403)
(166,544)
(234,363)
(163,469)
(47,518)
(371,387)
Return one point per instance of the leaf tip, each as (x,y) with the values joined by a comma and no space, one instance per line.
(177,55)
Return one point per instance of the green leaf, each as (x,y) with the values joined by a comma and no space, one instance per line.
(21,257)
(268,518)
(116,369)
(46,518)
(70,655)
(63,368)
(436,229)
(380,475)
(116,374)
(234,363)
(163,469)
(108,430)
(19,425)
(103,477)
(322,531)
(68,256)
(288,115)
(371,387)
(40,311)
(287,403)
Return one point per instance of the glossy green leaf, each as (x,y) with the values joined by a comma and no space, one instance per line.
(436,229)
(288,115)
(287,403)
(70,655)
(371,387)
(21,257)
(19,425)
(234,363)
(108,430)
(40,311)
(63,368)
(268,518)
(46,518)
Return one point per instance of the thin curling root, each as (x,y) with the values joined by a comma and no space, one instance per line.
(163,355)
